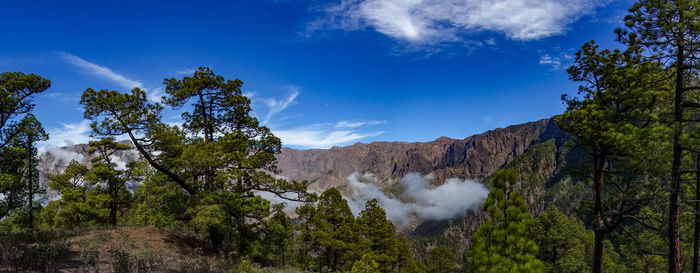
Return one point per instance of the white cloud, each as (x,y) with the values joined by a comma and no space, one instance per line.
(418,198)
(50,95)
(555,62)
(63,157)
(277,106)
(69,134)
(320,136)
(101,71)
(355,124)
(156,94)
(108,74)
(435,21)
(188,72)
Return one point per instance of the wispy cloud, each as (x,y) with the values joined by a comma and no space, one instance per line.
(355,124)
(68,134)
(437,21)
(156,95)
(321,136)
(188,71)
(49,95)
(548,60)
(101,71)
(276,106)
(558,61)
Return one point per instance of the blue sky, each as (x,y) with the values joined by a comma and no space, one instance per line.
(320,73)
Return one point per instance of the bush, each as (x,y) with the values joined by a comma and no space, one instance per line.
(32,251)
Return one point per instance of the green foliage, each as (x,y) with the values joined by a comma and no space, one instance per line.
(221,157)
(278,238)
(244,267)
(335,230)
(564,243)
(378,236)
(366,264)
(406,260)
(617,120)
(19,182)
(159,202)
(17,91)
(669,31)
(80,205)
(441,259)
(93,196)
(502,243)
(306,240)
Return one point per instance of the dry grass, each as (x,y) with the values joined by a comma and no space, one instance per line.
(132,249)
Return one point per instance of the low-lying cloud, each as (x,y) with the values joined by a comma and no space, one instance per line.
(418,197)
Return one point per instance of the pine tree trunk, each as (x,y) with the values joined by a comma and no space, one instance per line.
(31,203)
(598,225)
(598,252)
(696,235)
(674,251)
(30,182)
(215,236)
(113,213)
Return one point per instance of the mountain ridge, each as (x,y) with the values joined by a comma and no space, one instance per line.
(474,157)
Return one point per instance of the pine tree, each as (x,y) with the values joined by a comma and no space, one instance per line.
(19,130)
(335,230)
(278,238)
(80,205)
(615,120)
(367,264)
(502,243)
(406,261)
(378,236)
(306,240)
(670,30)
(563,242)
(441,259)
(220,157)
(107,177)
(31,131)
(160,202)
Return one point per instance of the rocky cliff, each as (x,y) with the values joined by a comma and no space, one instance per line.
(475,157)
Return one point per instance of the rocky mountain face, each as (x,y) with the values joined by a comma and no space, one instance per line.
(475,157)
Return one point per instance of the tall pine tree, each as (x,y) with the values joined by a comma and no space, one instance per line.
(671,32)
(502,243)
(335,230)
(378,236)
